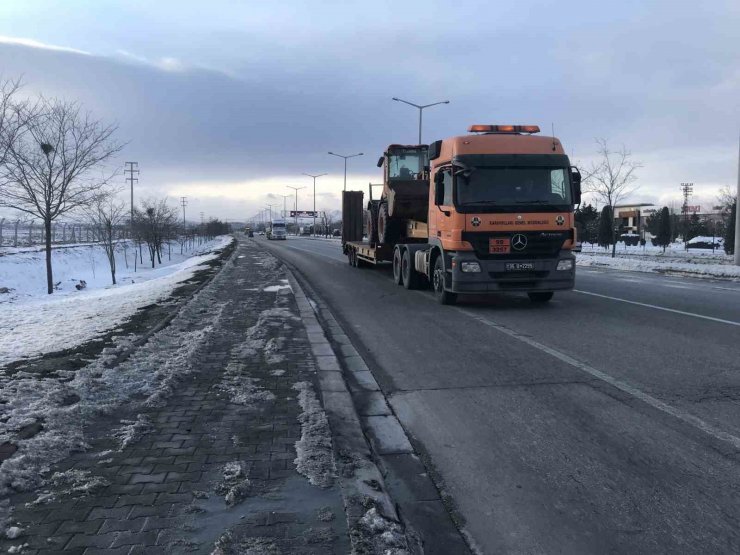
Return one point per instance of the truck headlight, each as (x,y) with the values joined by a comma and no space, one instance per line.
(469,267)
(565,265)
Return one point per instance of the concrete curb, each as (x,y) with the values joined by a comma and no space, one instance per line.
(360,478)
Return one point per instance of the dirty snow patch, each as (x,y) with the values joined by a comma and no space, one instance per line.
(276,288)
(133,430)
(314,457)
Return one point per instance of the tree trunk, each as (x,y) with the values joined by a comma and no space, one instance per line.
(49,276)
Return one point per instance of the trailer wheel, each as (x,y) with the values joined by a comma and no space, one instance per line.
(438,284)
(540,296)
(397,277)
(409,277)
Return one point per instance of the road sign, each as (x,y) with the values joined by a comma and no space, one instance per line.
(303,214)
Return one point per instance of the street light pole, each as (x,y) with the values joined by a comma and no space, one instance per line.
(737,214)
(296,189)
(420,108)
(285,211)
(314,198)
(345,164)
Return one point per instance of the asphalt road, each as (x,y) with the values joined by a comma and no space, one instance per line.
(605,421)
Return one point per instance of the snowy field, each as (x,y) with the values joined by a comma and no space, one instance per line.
(676,259)
(33,323)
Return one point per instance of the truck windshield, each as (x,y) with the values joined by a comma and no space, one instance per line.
(406,163)
(279,226)
(513,186)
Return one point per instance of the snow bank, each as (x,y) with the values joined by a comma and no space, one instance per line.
(637,264)
(34,324)
(314,457)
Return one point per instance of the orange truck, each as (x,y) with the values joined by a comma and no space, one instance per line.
(487,212)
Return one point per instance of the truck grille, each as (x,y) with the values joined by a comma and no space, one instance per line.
(540,244)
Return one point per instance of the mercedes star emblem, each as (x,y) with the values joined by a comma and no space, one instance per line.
(560,220)
(519,241)
(475,221)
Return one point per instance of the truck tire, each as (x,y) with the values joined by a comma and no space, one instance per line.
(409,276)
(540,296)
(438,284)
(389,229)
(372,222)
(397,277)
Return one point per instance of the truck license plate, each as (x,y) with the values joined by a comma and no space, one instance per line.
(519,266)
(499,245)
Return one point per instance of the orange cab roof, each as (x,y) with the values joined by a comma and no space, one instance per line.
(498,143)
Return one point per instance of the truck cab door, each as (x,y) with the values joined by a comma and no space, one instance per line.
(440,219)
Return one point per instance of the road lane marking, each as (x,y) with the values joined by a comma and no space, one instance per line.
(647,305)
(690,419)
(336,259)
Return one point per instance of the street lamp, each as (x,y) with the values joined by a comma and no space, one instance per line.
(345,165)
(296,189)
(314,197)
(421,108)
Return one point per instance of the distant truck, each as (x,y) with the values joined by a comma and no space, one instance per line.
(276,229)
(480,213)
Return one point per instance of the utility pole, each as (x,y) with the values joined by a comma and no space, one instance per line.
(420,107)
(296,189)
(345,164)
(737,214)
(132,169)
(314,198)
(687,189)
(184,203)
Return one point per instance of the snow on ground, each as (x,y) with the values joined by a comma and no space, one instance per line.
(676,259)
(314,458)
(33,323)
(66,401)
(24,272)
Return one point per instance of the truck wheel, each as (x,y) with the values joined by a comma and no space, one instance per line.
(397,277)
(438,284)
(540,296)
(409,276)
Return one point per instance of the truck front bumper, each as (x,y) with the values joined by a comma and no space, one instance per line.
(495,277)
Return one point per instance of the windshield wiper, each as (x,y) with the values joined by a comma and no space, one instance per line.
(532,202)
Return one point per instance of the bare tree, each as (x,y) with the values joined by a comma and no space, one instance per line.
(107,215)
(156,222)
(47,171)
(9,120)
(611,179)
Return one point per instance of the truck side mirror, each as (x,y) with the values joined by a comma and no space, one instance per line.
(575,179)
(380,162)
(439,188)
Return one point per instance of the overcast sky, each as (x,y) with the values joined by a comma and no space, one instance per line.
(227,102)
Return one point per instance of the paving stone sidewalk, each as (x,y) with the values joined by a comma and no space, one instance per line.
(209,467)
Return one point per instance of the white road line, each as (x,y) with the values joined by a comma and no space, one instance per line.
(690,419)
(336,259)
(692,314)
